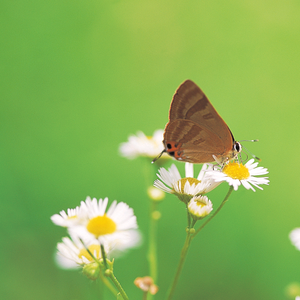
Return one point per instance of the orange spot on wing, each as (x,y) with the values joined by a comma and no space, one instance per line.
(173,149)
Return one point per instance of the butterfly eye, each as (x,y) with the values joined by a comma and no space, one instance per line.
(237,147)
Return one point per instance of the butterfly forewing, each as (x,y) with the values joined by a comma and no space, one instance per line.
(190,103)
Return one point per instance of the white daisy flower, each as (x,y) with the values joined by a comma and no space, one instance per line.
(72,253)
(69,218)
(171,182)
(200,207)
(295,237)
(236,174)
(142,145)
(113,225)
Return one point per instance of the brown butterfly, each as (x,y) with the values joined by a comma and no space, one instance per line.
(195,132)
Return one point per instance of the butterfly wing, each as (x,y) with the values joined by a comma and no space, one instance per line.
(195,131)
(188,141)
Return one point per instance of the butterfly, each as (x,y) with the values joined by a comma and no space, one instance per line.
(195,132)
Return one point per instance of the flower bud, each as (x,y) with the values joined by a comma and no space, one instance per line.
(91,270)
(199,207)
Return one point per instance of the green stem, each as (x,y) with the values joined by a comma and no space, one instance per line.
(184,250)
(108,284)
(219,208)
(110,274)
(193,223)
(104,256)
(152,251)
(149,174)
(188,217)
(145,295)
(190,235)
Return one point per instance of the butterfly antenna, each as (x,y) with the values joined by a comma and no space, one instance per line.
(156,158)
(254,156)
(249,141)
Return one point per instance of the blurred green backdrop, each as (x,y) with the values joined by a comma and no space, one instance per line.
(77,77)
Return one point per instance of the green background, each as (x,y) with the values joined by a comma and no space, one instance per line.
(77,77)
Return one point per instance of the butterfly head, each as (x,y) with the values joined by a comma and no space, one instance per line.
(230,155)
(236,149)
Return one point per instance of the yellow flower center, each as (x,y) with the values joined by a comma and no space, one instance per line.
(101,225)
(200,203)
(92,248)
(236,171)
(190,180)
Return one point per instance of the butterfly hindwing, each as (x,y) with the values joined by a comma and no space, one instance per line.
(188,141)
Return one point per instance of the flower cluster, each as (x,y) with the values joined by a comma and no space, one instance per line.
(191,190)
(170,181)
(91,226)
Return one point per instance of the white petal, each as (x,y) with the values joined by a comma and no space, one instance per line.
(158,184)
(247,185)
(189,170)
(175,173)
